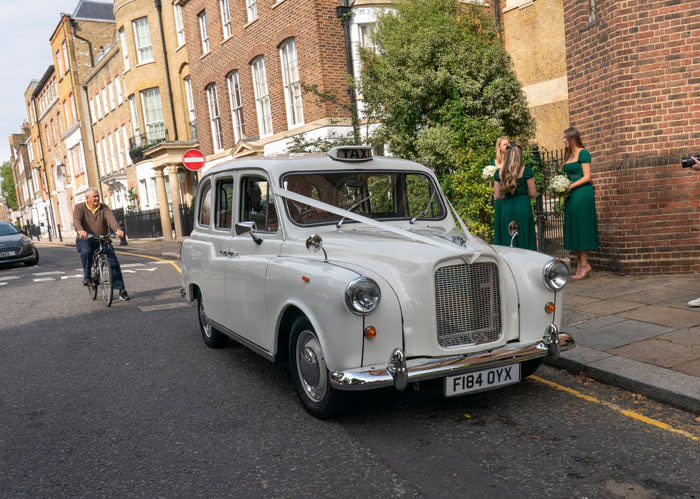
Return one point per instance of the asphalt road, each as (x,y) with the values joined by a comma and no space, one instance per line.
(129,402)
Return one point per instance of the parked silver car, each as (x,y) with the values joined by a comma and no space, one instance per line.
(15,247)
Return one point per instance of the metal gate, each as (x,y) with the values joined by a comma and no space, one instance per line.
(549,206)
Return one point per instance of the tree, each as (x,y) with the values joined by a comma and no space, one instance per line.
(442,88)
(8,185)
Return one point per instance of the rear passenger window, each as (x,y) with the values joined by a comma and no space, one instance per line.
(224,203)
(205,205)
(257,204)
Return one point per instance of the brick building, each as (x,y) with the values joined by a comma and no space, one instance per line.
(634,93)
(156,76)
(26,184)
(534,38)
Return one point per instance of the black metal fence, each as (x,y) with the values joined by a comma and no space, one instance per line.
(187,219)
(147,223)
(549,206)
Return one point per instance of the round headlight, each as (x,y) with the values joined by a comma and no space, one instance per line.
(362,295)
(556,275)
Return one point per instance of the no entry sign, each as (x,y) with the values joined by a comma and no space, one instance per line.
(193,159)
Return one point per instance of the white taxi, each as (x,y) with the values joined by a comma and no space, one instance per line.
(358,271)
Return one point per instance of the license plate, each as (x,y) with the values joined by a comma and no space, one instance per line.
(4,254)
(478,381)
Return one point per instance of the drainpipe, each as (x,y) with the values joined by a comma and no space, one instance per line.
(497,13)
(72,25)
(343,12)
(167,67)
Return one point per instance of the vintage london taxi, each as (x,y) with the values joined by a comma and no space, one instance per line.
(358,271)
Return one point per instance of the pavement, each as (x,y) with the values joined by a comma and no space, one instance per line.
(634,332)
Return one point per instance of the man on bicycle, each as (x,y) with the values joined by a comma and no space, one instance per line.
(94,218)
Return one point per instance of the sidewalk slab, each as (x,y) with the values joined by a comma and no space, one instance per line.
(678,389)
(658,352)
(604,333)
(666,316)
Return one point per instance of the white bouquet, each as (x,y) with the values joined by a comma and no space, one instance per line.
(559,184)
(488,171)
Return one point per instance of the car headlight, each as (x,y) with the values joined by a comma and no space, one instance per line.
(26,242)
(556,275)
(362,295)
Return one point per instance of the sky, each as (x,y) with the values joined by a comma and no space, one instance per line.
(25,28)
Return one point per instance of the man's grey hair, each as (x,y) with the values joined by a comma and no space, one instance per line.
(91,189)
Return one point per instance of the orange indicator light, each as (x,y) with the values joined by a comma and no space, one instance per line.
(305,279)
(370,332)
(549,307)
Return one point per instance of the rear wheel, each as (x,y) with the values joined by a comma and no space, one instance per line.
(94,279)
(105,273)
(212,338)
(308,368)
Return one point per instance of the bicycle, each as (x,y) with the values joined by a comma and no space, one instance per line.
(100,271)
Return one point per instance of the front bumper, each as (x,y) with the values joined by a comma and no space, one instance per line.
(399,371)
(27,254)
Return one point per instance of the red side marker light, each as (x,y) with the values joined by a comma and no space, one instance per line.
(305,279)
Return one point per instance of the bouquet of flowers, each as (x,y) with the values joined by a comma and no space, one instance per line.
(488,171)
(559,185)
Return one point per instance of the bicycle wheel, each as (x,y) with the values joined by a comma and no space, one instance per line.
(92,289)
(106,290)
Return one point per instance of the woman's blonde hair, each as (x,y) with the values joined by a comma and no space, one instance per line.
(499,154)
(514,162)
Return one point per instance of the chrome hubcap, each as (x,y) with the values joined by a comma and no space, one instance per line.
(311,366)
(203,319)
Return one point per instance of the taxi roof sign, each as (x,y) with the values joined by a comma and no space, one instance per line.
(351,153)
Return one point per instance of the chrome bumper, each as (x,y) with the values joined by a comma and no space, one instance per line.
(399,371)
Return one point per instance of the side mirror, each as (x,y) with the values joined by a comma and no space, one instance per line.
(513,228)
(251,228)
(315,243)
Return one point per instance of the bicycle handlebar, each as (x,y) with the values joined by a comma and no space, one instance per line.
(102,237)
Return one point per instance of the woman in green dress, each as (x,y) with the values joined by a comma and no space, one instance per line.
(514,183)
(580,219)
(501,149)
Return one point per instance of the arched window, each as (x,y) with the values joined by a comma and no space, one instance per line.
(236,102)
(262,97)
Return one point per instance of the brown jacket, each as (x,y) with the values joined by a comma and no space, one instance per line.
(98,223)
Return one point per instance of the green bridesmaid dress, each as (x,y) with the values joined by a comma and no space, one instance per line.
(497,231)
(580,219)
(516,207)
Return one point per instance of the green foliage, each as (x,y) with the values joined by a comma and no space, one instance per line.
(8,185)
(442,88)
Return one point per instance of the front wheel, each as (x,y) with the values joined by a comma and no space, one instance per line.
(105,273)
(309,371)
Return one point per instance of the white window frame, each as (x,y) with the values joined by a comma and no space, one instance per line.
(118,89)
(179,25)
(72,108)
(59,63)
(262,97)
(203,31)
(292,83)
(112,151)
(215,118)
(120,151)
(225,18)
(144,47)
(134,115)
(98,106)
(125,49)
(100,159)
(105,103)
(125,137)
(147,94)
(251,7)
(190,101)
(110,91)
(64,51)
(236,103)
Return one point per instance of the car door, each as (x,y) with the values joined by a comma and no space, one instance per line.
(220,237)
(251,253)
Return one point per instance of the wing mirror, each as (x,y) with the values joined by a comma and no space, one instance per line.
(315,243)
(251,228)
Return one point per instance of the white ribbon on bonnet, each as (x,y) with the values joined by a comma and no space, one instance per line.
(472,251)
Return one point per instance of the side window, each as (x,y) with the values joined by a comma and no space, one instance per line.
(205,205)
(257,203)
(421,198)
(224,203)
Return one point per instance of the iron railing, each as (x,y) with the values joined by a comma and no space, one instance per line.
(549,206)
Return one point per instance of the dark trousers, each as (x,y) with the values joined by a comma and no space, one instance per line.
(87,248)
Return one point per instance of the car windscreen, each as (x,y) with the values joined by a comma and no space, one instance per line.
(7,229)
(379,195)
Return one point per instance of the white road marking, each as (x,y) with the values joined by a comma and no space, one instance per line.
(45,279)
(71,276)
(162,263)
(49,273)
(150,270)
(128,271)
(164,306)
(124,265)
(3,284)
(9,277)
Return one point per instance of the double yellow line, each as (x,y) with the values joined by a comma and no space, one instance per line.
(630,414)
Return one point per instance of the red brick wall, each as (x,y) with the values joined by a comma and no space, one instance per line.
(320,49)
(634,93)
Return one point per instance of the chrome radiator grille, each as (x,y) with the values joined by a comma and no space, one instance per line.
(468,304)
